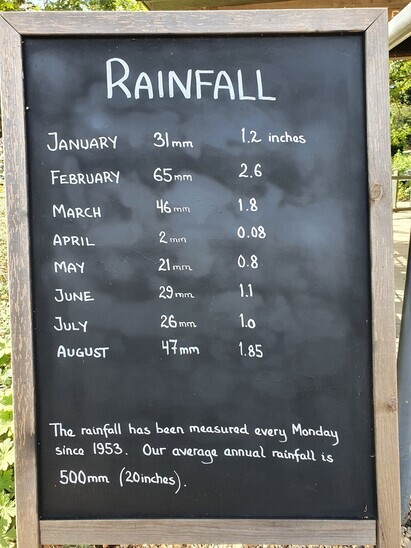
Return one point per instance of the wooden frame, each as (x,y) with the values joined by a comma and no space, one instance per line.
(394,6)
(385,532)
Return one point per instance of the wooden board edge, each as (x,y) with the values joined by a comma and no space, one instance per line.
(383,312)
(12,95)
(193,22)
(4,23)
(205,531)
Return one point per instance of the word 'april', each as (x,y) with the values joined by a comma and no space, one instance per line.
(168,84)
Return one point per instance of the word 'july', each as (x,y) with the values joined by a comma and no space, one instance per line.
(192,84)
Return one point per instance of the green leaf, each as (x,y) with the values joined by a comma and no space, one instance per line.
(6,481)
(5,350)
(11,536)
(6,430)
(5,359)
(6,420)
(5,379)
(6,400)
(4,526)
(6,454)
(7,508)
(7,540)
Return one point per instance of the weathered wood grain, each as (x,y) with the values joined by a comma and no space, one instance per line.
(200,22)
(382,266)
(197,4)
(392,5)
(12,95)
(213,531)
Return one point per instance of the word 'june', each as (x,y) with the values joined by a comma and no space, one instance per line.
(167,84)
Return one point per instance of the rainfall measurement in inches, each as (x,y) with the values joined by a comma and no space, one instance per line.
(247,261)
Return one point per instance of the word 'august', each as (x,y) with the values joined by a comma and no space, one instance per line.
(167,84)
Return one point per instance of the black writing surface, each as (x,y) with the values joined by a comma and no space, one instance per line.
(201,277)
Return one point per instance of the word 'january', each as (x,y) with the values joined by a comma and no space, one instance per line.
(191,85)
(80,144)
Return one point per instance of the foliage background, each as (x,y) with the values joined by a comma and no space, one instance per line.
(72,5)
(400,97)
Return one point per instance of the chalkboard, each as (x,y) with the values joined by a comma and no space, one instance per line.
(199,234)
(215,246)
